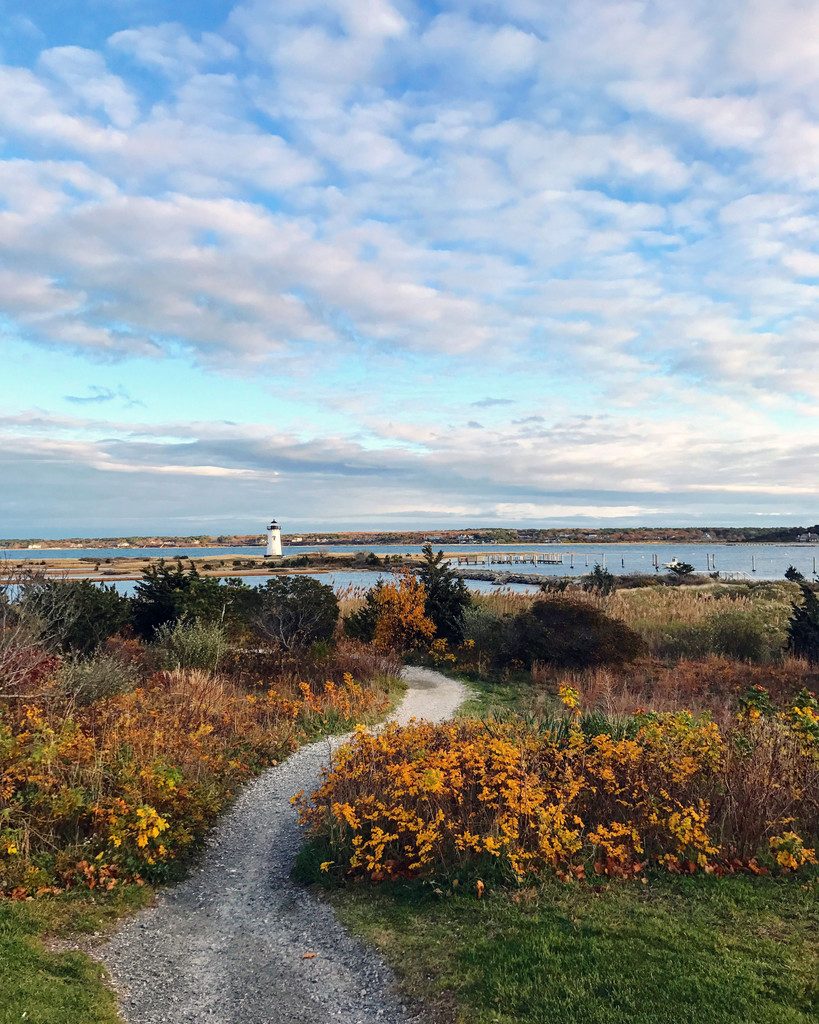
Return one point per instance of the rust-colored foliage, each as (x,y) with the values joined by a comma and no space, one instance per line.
(712,684)
(121,787)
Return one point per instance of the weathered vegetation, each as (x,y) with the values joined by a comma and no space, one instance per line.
(631,759)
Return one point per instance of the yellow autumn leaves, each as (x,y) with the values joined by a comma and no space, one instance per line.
(431,800)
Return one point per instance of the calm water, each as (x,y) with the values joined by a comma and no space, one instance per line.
(771,560)
(337,580)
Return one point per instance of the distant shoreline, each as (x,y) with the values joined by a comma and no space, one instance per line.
(439,545)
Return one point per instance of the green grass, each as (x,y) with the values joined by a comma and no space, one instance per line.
(46,987)
(739,950)
(487,695)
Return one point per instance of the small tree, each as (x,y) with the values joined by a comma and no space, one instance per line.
(794,575)
(446,595)
(166,594)
(803,626)
(292,612)
(401,622)
(599,581)
(393,615)
(681,569)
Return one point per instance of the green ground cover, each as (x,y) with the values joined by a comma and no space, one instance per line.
(39,984)
(740,950)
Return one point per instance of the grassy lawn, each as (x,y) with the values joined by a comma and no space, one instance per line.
(740,950)
(47,987)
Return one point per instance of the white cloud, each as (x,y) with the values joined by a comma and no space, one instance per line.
(83,73)
(170,49)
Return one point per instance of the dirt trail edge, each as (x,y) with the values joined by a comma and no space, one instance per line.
(227,945)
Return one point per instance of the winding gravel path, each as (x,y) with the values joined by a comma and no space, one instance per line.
(228,945)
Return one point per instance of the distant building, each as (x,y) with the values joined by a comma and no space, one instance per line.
(808,538)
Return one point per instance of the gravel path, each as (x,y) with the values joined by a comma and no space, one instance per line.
(228,945)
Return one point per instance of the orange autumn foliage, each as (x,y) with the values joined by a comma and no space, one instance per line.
(122,787)
(402,623)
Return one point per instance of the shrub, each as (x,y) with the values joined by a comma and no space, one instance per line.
(488,637)
(190,645)
(402,623)
(803,625)
(82,614)
(393,616)
(513,800)
(166,594)
(292,612)
(88,679)
(28,640)
(733,634)
(572,634)
(117,790)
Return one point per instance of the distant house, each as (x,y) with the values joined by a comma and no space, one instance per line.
(808,538)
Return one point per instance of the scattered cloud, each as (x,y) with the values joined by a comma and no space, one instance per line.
(601,216)
(97,395)
(489,403)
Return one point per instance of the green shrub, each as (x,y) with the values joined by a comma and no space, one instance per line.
(166,594)
(737,635)
(803,626)
(491,634)
(293,612)
(90,679)
(190,645)
(78,615)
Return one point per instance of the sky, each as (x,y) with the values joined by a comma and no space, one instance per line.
(395,263)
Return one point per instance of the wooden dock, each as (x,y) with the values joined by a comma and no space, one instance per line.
(510,558)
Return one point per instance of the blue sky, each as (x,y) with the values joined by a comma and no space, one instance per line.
(384,262)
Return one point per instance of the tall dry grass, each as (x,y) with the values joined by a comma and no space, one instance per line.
(713,684)
(746,623)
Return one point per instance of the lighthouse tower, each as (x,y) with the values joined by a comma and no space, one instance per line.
(274,541)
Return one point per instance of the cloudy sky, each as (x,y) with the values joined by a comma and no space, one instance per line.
(396,262)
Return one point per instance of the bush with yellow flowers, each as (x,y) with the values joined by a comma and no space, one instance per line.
(122,787)
(515,799)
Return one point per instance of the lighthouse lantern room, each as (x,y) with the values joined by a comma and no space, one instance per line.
(274,541)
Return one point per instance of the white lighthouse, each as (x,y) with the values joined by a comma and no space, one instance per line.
(274,541)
